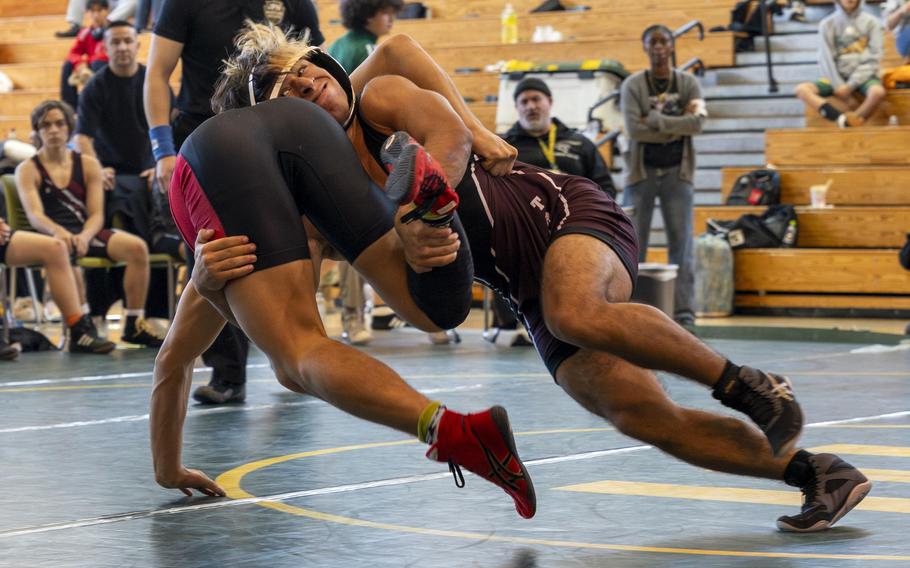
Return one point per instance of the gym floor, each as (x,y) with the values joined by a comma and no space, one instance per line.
(311,486)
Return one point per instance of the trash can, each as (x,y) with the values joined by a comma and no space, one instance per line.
(656,285)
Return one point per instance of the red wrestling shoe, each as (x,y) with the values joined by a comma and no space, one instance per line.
(483,444)
(415,177)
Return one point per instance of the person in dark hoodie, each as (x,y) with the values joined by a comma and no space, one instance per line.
(850,56)
(543,141)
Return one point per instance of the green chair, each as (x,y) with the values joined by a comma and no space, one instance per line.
(18,221)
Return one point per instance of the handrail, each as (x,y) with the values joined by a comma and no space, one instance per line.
(697,63)
(609,97)
(766,33)
(608,137)
(683,30)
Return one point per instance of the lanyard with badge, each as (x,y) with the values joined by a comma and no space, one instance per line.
(549,150)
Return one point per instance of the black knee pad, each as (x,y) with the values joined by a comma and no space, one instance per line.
(444,293)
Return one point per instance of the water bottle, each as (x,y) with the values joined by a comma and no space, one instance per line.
(509,25)
(789,239)
(893,121)
(12,134)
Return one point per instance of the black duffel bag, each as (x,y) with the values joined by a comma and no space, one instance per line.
(776,228)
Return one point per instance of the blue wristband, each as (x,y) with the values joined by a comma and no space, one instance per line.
(162,138)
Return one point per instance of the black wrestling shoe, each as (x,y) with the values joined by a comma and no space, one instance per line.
(83,338)
(415,177)
(142,333)
(835,488)
(219,393)
(768,400)
(8,352)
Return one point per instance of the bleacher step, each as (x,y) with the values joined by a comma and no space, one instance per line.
(802,56)
(790,107)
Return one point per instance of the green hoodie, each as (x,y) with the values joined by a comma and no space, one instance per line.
(352,48)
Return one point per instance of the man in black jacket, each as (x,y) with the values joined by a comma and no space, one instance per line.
(546,142)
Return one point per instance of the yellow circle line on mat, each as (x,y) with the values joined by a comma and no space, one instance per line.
(231,480)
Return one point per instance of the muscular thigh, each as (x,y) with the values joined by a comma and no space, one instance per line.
(581,271)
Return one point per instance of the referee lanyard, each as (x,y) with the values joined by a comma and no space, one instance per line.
(549,150)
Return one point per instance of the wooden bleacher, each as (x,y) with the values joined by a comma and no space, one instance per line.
(897,104)
(882,185)
(867,146)
(31,56)
(847,254)
(627,23)
(452,9)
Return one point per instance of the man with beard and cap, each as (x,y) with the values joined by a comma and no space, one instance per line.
(850,57)
(200,34)
(542,140)
(563,252)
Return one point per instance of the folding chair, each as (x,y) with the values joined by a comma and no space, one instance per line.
(18,221)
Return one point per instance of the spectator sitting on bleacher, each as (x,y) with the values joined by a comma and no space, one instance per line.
(87,54)
(662,109)
(113,129)
(850,55)
(897,20)
(61,192)
(75,9)
(366,21)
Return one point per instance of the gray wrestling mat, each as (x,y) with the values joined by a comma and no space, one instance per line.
(311,486)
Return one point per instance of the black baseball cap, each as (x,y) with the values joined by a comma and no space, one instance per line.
(531,84)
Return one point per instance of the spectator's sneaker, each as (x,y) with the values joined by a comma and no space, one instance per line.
(7,351)
(142,333)
(383,318)
(83,338)
(415,177)
(850,120)
(354,329)
(483,444)
(834,490)
(219,393)
(491,334)
(768,400)
(72,31)
(444,337)
(51,311)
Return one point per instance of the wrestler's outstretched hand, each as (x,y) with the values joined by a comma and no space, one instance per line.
(188,479)
(497,155)
(221,260)
(425,246)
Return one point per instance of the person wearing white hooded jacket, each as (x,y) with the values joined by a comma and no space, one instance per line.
(850,54)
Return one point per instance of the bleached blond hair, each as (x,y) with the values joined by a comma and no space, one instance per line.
(265,53)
